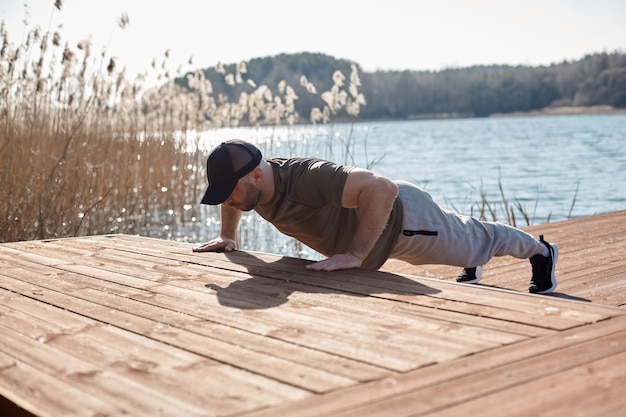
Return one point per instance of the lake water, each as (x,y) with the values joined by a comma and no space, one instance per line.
(552,167)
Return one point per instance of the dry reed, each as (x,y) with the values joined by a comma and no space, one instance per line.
(84,150)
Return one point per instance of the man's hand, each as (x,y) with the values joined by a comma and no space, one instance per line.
(217,245)
(335,263)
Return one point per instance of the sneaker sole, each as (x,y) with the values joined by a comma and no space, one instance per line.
(479,276)
(555,257)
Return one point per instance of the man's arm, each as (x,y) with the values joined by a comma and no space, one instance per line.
(227,241)
(373,196)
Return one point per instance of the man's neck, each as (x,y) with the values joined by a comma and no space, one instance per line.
(267,182)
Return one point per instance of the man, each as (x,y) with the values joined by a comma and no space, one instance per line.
(359,219)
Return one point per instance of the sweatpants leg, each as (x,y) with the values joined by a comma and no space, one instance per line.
(434,235)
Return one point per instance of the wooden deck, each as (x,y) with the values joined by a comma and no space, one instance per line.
(121,325)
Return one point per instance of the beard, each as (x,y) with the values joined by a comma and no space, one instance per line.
(253,196)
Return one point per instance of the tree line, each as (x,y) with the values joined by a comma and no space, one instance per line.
(479,91)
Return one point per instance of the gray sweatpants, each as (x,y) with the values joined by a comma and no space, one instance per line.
(434,235)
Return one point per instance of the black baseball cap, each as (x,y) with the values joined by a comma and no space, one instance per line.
(226,164)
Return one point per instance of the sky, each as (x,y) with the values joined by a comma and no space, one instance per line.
(378,35)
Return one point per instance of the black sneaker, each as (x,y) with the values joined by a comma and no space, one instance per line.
(544,279)
(470,275)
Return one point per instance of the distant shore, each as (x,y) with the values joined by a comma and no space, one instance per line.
(566,110)
(546,111)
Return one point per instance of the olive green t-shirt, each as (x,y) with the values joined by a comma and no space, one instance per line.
(307,206)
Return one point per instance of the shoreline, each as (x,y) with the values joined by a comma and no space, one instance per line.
(565,111)
(546,111)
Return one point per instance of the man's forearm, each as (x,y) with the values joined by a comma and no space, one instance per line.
(230,220)
(375,203)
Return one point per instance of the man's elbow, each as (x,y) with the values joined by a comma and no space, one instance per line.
(387,188)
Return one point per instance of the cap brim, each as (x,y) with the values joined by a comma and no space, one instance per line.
(217,194)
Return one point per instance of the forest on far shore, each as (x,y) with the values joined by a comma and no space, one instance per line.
(596,80)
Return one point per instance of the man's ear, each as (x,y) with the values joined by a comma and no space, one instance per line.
(257,174)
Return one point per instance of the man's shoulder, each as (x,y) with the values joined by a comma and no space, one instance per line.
(298,164)
(309,171)
(311,163)
(281,161)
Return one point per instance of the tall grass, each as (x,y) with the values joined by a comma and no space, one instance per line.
(84,150)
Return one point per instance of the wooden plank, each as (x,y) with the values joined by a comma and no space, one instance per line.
(501,277)
(459,375)
(89,379)
(161,367)
(256,290)
(402,351)
(309,338)
(361,314)
(164,325)
(594,388)
(293,270)
(443,295)
(199,310)
(27,391)
(118,305)
(491,389)
(298,354)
